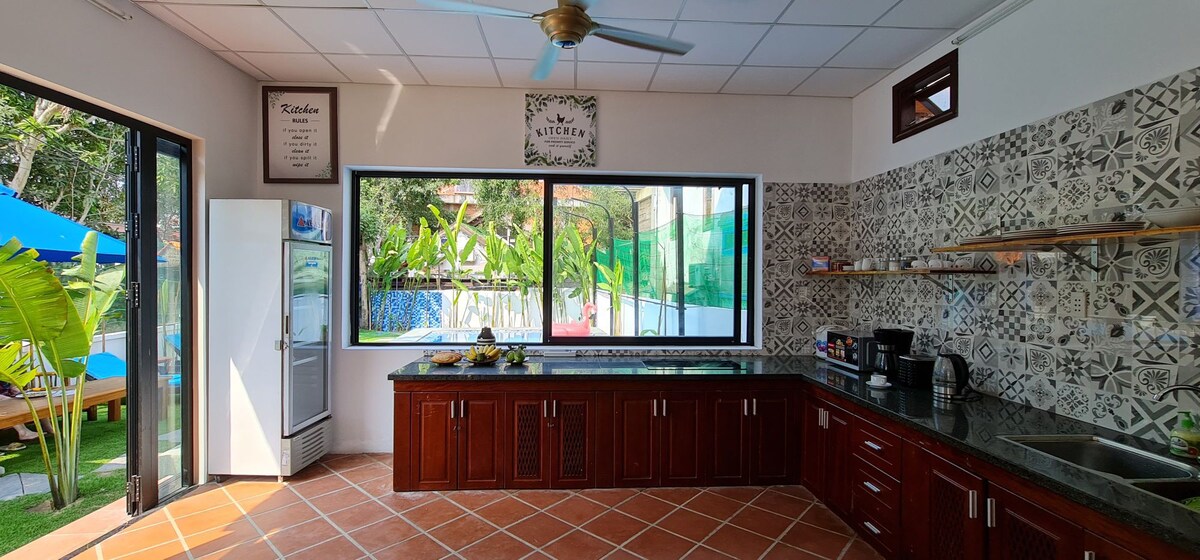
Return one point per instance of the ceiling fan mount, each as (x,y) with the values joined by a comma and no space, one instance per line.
(566,26)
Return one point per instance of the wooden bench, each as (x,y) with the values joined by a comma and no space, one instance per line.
(100,391)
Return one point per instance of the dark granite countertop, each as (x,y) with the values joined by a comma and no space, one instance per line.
(972,427)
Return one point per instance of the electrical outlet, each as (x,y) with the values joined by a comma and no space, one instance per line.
(1077,305)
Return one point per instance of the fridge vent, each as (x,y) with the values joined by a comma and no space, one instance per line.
(308,446)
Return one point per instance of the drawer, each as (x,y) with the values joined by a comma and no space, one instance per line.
(884,517)
(877,446)
(882,536)
(875,484)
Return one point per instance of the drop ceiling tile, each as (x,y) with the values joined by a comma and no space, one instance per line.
(766,81)
(690,78)
(340,31)
(513,38)
(515,73)
(887,47)
(242,28)
(436,34)
(937,13)
(801,45)
(399,4)
(314,3)
(716,43)
(295,67)
(602,50)
(170,18)
(635,9)
(377,69)
(614,76)
(840,82)
(723,10)
(219,2)
(450,71)
(241,64)
(836,12)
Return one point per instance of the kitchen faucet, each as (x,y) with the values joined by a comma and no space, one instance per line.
(1173,388)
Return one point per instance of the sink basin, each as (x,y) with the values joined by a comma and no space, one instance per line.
(1174,490)
(1107,456)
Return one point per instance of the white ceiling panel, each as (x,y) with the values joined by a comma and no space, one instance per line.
(836,12)
(515,73)
(241,64)
(513,38)
(690,78)
(376,69)
(449,71)
(340,31)
(801,45)
(295,67)
(839,82)
(242,28)
(716,43)
(643,9)
(765,11)
(937,13)
(217,2)
(766,81)
(600,50)
(398,4)
(614,76)
(886,47)
(170,18)
(313,3)
(436,34)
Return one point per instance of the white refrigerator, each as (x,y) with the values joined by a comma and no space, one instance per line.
(270,309)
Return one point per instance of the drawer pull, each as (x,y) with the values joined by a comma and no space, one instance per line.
(874,446)
(871,527)
(871,487)
(1089,555)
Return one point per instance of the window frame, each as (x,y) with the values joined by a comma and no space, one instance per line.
(746,187)
(903,97)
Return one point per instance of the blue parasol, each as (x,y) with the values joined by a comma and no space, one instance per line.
(56,238)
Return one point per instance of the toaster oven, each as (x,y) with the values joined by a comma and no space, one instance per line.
(850,349)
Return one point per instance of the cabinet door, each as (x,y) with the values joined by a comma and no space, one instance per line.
(528,449)
(730,438)
(636,434)
(773,438)
(681,417)
(837,459)
(956,512)
(572,427)
(1021,530)
(1104,549)
(480,440)
(434,448)
(812,463)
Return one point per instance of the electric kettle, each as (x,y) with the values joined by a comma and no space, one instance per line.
(951,375)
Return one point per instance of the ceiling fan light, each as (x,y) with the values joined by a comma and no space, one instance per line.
(566,26)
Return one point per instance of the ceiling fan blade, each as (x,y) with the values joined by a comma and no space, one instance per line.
(477,9)
(641,40)
(546,62)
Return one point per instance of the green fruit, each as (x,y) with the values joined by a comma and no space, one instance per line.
(1192,503)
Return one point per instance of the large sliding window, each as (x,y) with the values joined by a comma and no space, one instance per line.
(567,260)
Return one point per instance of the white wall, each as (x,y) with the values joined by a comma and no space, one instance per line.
(1050,56)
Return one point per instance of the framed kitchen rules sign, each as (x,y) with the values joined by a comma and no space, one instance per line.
(300,134)
(560,130)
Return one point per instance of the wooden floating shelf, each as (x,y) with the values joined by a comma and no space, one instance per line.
(1063,240)
(915,271)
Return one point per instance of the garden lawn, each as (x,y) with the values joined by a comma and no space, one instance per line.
(101,442)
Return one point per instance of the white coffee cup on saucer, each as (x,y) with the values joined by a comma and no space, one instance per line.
(878,380)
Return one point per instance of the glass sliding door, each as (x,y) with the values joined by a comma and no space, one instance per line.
(309,281)
(169,306)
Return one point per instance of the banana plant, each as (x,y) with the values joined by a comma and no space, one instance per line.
(614,284)
(390,263)
(573,266)
(455,257)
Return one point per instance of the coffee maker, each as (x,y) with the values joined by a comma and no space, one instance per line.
(889,345)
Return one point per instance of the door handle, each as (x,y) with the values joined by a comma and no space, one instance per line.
(462,408)
(991,512)
(655,405)
(554,409)
(451,410)
(972,504)
(544,405)
(745,407)
(871,487)
(874,446)
(754,407)
(664,407)
(871,527)
(1089,555)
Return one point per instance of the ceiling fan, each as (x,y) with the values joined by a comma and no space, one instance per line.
(566,26)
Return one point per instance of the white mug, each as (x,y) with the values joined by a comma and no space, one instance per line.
(878,379)
(920,264)
(937,263)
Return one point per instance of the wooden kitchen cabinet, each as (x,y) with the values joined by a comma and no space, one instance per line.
(774,437)
(457,441)
(434,446)
(944,511)
(1101,548)
(827,452)
(812,463)
(572,438)
(1020,530)
(730,438)
(658,439)
(480,425)
(683,426)
(528,454)
(636,441)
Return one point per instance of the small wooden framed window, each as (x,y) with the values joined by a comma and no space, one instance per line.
(926,99)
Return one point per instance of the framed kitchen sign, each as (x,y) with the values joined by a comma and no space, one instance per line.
(560,130)
(300,134)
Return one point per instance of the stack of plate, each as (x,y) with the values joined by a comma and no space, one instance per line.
(1029,233)
(979,239)
(1101,227)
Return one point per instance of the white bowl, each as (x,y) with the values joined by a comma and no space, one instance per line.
(1174,217)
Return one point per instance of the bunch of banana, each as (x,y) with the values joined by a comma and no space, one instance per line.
(483,354)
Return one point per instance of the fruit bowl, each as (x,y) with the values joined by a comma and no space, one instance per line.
(482,355)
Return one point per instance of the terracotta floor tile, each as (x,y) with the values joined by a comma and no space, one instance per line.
(820,516)
(434,513)
(208,519)
(620,554)
(578,545)
(576,510)
(221,538)
(609,496)
(743,494)
(647,508)
(130,541)
(385,458)
(816,540)
(203,498)
(404,501)
(420,546)
(347,462)
(737,543)
(705,553)
(713,505)
(542,499)
(860,550)
(366,472)
(339,500)
(381,486)
(360,515)
(89,554)
(169,551)
(340,548)
(462,532)
(496,547)
(321,486)
(781,504)
(615,527)
(506,511)
(540,529)
(311,472)
(677,496)
(302,536)
(475,499)
(795,492)
(269,501)
(762,522)
(253,550)
(383,534)
(784,552)
(284,517)
(689,524)
(656,543)
(243,489)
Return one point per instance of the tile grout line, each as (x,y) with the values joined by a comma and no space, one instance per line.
(252,523)
(779,539)
(722,523)
(321,514)
(178,533)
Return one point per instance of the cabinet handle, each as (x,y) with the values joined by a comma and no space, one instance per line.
(745,407)
(972,504)
(655,412)
(871,527)
(544,406)
(1089,555)
(664,407)
(871,487)
(754,407)
(824,418)
(874,446)
(451,410)
(462,408)
(554,409)
(991,512)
